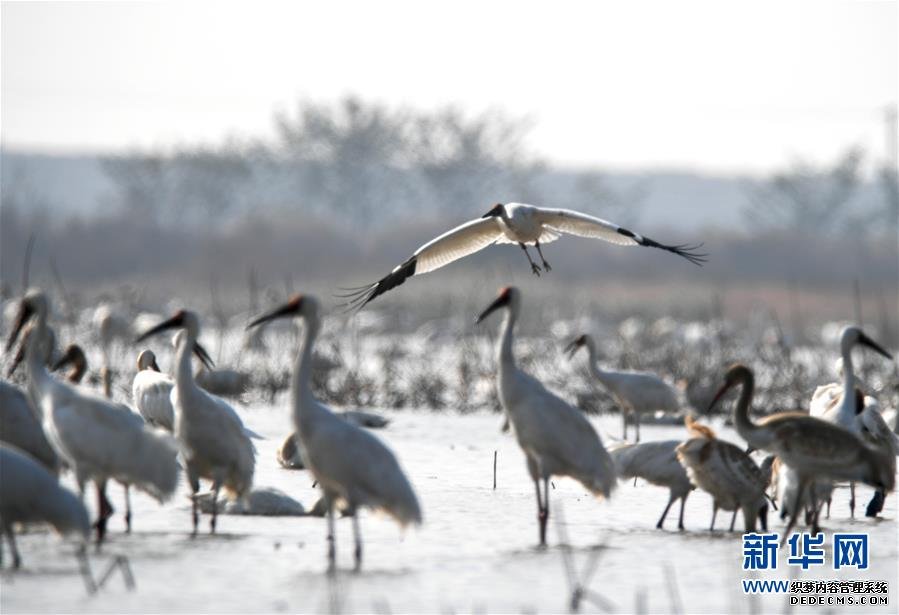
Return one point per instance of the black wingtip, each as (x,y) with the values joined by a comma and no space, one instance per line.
(361,296)
(691,252)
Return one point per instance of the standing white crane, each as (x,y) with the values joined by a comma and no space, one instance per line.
(636,392)
(556,438)
(875,431)
(836,403)
(728,474)
(351,466)
(98,439)
(151,392)
(29,494)
(213,440)
(514,223)
(785,485)
(813,448)
(655,462)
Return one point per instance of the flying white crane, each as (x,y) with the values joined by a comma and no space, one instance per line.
(836,402)
(513,223)
(728,474)
(29,494)
(557,439)
(656,463)
(98,439)
(813,448)
(636,392)
(213,440)
(351,466)
(151,392)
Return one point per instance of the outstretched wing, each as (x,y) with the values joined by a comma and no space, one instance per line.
(461,241)
(576,223)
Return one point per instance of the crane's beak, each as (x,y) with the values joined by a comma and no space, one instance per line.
(200,353)
(64,360)
(867,341)
(154,366)
(724,389)
(291,308)
(20,355)
(572,348)
(25,314)
(499,302)
(174,322)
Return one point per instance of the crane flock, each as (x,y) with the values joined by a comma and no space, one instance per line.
(56,425)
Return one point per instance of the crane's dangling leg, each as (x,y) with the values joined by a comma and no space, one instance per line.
(127,509)
(665,512)
(733,520)
(535,269)
(546,266)
(680,519)
(714,514)
(357,536)
(852,500)
(332,555)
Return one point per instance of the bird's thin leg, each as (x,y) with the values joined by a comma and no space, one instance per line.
(733,520)
(332,556)
(127,509)
(665,512)
(624,423)
(546,266)
(194,488)
(680,520)
(796,508)
(714,514)
(11,537)
(829,500)
(540,512)
(104,511)
(535,268)
(852,500)
(545,510)
(215,506)
(637,423)
(357,536)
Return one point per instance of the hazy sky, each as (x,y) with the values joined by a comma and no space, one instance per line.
(723,86)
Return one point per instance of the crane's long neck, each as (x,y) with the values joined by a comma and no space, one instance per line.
(593,363)
(305,405)
(748,430)
(506,358)
(849,380)
(184,377)
(39,379)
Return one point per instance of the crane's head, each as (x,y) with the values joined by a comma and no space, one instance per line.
(508,297)
(147,360)
(298,306)
(33,303)
(73,356)
(189,322)
(737,374)
(853,336)
(497,210)
(576,344)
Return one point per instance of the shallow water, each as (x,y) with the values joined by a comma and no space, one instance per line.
(476,551)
